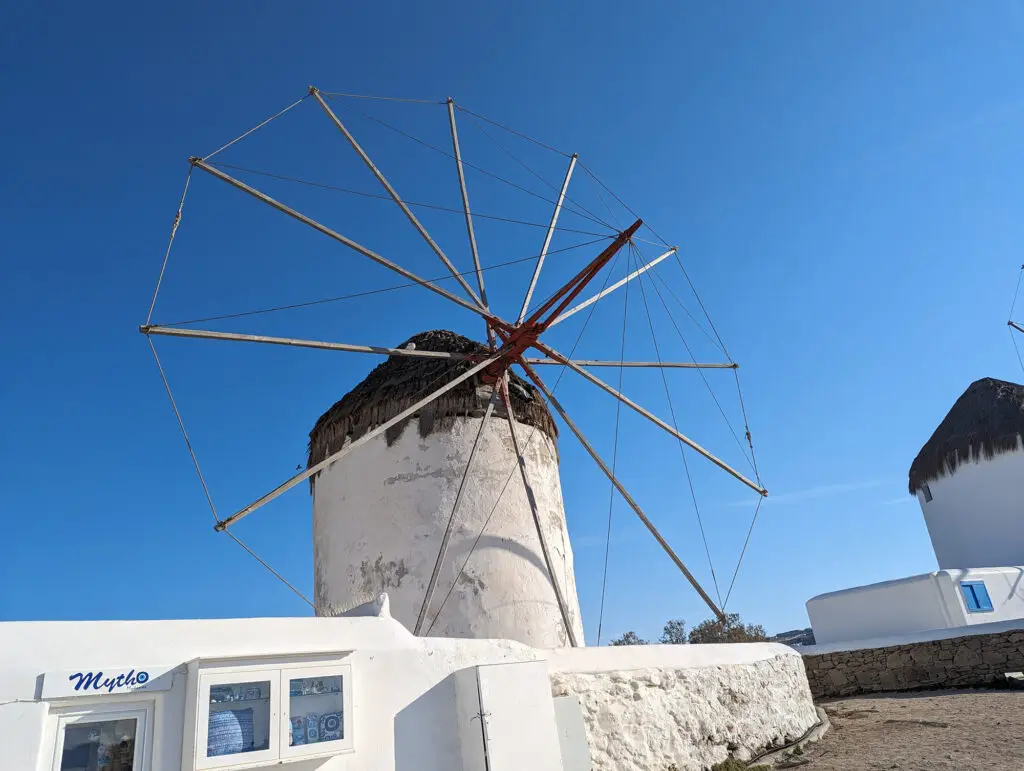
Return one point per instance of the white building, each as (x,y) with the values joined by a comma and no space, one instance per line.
(969,481)
(337,694)
(380,513)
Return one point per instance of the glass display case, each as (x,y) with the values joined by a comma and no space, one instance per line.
(250,713)
(314,718)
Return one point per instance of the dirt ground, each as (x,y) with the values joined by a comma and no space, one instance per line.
(925,731)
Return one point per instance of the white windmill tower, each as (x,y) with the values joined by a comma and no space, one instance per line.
(410,471)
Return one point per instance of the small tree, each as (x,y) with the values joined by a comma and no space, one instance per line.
(674,632)
(733,630)
(629,638)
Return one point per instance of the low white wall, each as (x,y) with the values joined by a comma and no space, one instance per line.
(973,518)
(642,705)
(890,607)
(917,604)
(913,637)
(691,706)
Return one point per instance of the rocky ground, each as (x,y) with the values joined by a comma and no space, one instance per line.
(923,731)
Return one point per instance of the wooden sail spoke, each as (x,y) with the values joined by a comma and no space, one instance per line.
(395,197)
(380,260)
(547,238)
(653,364)
(622,490)
(649,415)
(316,468)
(563,608)
(457,151)
(205,334)
(621,282)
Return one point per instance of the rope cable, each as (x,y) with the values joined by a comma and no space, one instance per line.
(170,242)
(354,295)
(381,197)
(263,562)
(682,451)
(526,166)
(382,98)
(700,302)
(202,478)
(255,128)
(474,166)
(686,310)
(1013,339)
(513,131)
(1016,292)
(615,458)
(623,203)
(746,426)
(739,562)
(703,377)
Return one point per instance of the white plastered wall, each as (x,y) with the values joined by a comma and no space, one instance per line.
(406,709)
(975,513)
(379,515)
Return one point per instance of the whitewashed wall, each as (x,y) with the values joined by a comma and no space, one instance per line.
(405,708)
(876,610)
(379,515)
(684,706)
(921,603)
(1005,588)
(974,517)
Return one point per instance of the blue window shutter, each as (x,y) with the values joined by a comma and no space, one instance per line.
(975,596)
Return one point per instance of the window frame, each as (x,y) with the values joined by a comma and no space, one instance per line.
(141,711)
(233,677)
(971,587)
(335,747)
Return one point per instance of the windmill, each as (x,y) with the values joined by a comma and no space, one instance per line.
(513,341)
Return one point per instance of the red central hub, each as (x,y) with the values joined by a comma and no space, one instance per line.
(515,340)
(513,346)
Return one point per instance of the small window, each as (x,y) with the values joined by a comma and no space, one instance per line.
(975,596)
(102,744)
(99,738)
(926,493)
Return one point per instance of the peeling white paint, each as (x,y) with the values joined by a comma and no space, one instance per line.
(379,515)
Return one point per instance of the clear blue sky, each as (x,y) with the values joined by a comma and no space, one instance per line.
(843,181)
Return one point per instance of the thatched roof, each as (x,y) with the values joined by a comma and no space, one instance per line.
(401,381)
(987,420)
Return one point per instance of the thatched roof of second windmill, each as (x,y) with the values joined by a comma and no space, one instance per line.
(401,381)
(987,420)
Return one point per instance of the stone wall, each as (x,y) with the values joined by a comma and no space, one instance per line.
(956,662)
(690,718)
